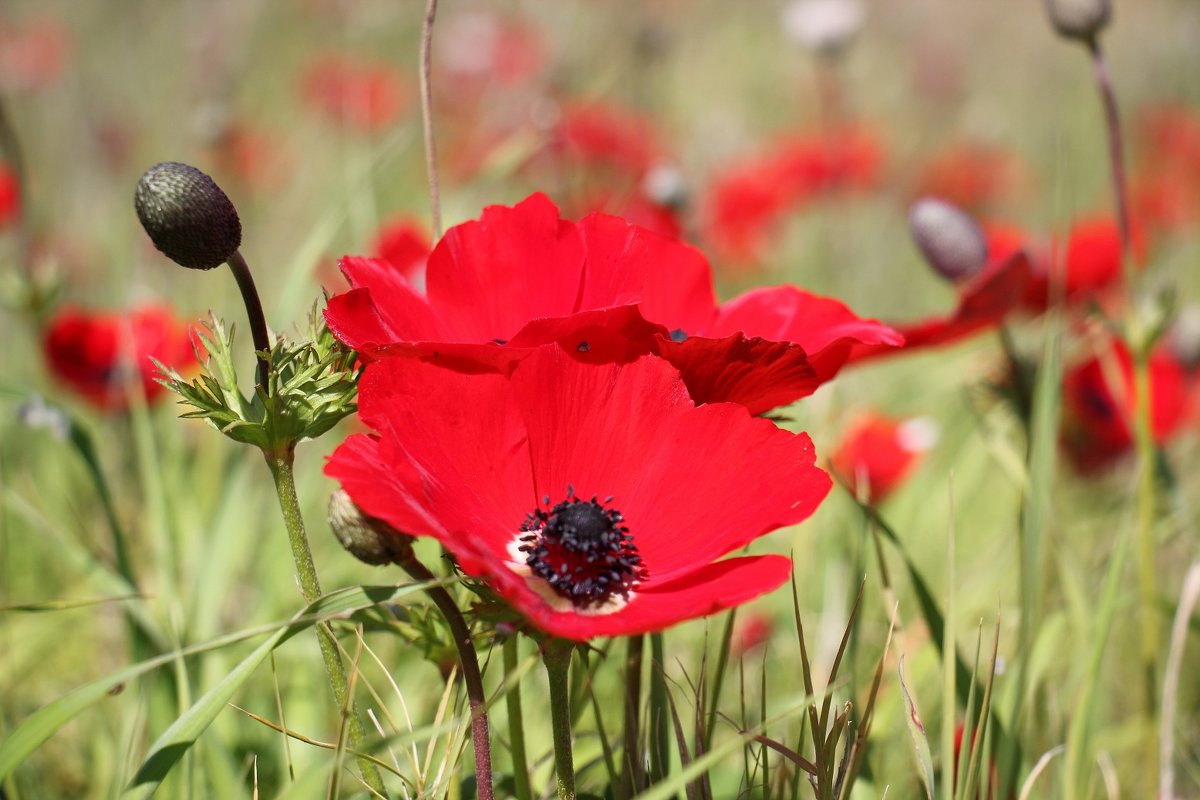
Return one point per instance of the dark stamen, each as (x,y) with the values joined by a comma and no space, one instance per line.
(582,550)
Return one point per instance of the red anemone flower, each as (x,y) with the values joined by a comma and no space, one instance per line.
(1098,404)
(606,290)
(363,96)
(595,498)
(99,355)
(34,54)
(878,453)
(10,196)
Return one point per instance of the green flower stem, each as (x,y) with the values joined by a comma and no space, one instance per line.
(258,320)
(1143,436)
(472,676)
(631,760)
(310,589)
(557,657)
(516,724)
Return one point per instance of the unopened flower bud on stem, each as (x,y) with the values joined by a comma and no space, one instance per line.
(1079,19)
(948,238)
(187,216)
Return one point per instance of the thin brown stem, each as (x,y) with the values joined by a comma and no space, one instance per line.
(469,661)
(435,198)
(1116,148)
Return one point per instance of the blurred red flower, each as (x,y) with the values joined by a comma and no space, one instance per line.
(747,202)
(1092,261)
(595,498)
(606,290)
(33,54)
(10,196)
(359,95)
(971,175)
(101,355)
(877,453)
(402,242)
(752,632)
(1099,403)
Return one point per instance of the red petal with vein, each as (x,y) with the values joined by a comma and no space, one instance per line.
(754,373)
(824,327)
(488,277)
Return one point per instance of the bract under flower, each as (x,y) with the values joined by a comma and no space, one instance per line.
(564,458)
(100,355)
(604,289)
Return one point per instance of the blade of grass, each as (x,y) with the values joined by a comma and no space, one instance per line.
(920,742)
(44,722)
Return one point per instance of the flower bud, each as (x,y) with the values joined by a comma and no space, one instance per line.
(369,540)
(948,238)
(823,26)
(187,216)
(1079,19)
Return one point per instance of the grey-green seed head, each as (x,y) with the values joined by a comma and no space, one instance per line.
(948,238)
(1079,19)
(187,216)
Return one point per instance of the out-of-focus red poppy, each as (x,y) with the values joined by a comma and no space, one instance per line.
(972,176)
(752,632)
(747,202)
(252,156)
(403,243)
(101,355)
(480,46)
(521,277)
(1165,188)
(877,453)
(10,196)
(1099,403)
(359,95)
(33,54)
(1092,262)
(959,756)
(605,135)
(594,498)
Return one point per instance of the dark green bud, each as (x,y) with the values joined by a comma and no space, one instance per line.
(948,238)
(187,216)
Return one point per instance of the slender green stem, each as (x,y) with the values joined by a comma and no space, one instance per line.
(516,724)
(310,589)
(659,712)
(1143,436)
(557,657)
(472,676)
(631,756)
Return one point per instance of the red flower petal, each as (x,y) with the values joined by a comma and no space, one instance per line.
(754,373)
(705,591)
(824,327)
(487,278)
(983,303)
(631,432)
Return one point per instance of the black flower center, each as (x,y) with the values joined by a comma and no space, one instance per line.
(582,550)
